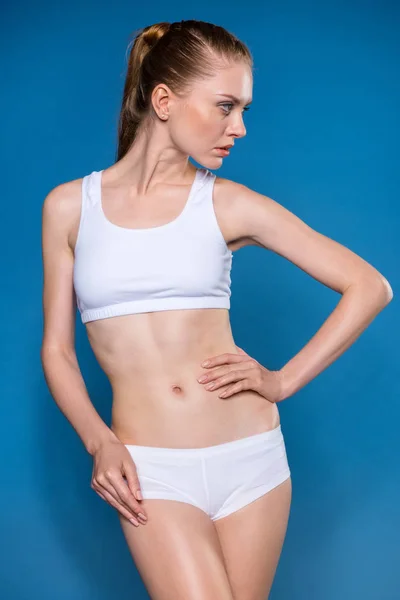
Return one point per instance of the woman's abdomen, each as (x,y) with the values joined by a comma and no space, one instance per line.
(183,414)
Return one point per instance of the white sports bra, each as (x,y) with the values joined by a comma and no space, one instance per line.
(183,264)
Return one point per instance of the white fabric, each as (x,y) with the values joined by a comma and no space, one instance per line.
(217,479)
(183,264)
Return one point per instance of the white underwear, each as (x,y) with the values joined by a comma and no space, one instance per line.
(218,479)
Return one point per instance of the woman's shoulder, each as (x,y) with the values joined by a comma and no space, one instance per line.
(61,207)
(230,194)
(229,200)
(245,211)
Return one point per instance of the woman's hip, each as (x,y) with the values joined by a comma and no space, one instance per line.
(216,478)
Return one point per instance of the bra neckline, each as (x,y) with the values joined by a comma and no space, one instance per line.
(134,230)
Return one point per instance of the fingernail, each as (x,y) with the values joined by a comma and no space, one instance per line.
(139,495)
(134,522)
(205,363)
(142,516)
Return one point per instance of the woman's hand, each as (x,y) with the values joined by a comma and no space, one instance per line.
(111,461)
(242,372)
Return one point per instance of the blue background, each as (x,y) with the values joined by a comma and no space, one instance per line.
(322,139)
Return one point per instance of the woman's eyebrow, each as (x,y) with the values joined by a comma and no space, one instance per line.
(234,98)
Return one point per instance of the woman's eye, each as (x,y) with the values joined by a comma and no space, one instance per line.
(229,104)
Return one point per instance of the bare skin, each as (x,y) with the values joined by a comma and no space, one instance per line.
(153,359)
(231,558)
(153,362)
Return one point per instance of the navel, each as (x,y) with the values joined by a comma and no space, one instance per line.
(176,389)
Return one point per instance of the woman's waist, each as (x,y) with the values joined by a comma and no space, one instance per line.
(172,342)
(161,368)
(190,417)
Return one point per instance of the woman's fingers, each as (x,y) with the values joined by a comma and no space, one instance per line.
(225,379)
(226,370)
(114,484)
(105,495)
(247,372)
(109,468)
(132,478)
(124,492)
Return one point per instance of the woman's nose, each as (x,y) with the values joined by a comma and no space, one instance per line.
(238,128)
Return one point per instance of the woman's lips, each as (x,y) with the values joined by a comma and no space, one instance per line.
(222,151)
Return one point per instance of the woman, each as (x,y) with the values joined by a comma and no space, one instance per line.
(199,475)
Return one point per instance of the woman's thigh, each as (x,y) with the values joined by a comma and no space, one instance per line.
(177,552)
(252,539)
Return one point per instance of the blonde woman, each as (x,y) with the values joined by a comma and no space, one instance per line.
(198,474)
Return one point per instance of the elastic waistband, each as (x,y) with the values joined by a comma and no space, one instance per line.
(251,440)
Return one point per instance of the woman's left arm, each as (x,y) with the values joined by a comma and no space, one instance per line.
(361,301)
(365,291)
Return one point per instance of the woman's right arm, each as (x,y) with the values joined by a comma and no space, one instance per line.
(58,356)
(111,459)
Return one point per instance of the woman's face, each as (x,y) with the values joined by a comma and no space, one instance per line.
(209,117)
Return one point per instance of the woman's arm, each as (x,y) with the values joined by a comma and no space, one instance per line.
(59,361)
(365,292)
(66,385)
(359,305)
